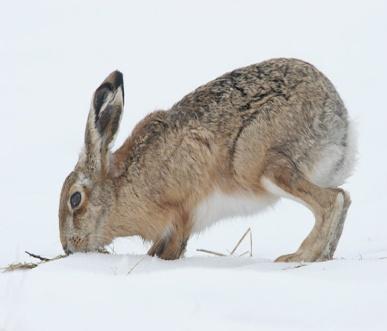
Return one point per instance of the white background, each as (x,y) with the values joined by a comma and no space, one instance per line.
(52,57)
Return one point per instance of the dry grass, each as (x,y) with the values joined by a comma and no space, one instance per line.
(250,252)
(42,259)
(19,266)
(31,265)
(210,252)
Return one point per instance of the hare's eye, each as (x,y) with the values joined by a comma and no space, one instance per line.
(75,199)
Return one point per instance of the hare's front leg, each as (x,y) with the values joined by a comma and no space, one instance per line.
(171,245)
(329,206)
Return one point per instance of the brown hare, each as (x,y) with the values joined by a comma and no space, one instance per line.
(231,147)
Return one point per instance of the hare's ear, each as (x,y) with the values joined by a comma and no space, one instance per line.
(103,121)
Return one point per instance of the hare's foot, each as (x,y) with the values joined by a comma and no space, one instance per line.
(329,206)
(169,247)
(321,247)
(298,256)
(334,224)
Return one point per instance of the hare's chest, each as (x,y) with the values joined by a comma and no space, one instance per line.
(218,206)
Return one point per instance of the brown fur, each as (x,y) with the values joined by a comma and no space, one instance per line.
(271,120)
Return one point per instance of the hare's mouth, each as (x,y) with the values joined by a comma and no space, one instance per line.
(87,243)
(77,243)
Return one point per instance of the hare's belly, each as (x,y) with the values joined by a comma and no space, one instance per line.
(218,206)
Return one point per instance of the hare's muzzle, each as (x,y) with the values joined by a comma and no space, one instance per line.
(76,243)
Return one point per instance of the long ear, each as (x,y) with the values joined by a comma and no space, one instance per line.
(103,121)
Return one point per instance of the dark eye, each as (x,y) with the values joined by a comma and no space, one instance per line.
(75,199)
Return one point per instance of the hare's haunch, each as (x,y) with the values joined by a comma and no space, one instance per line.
(229,148)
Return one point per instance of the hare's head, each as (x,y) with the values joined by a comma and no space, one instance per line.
(87,195)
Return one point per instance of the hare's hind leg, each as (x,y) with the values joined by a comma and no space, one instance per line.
(329,206)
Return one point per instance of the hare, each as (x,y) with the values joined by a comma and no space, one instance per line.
(231,147)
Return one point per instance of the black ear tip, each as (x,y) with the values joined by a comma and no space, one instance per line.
(114,80)
(117,79)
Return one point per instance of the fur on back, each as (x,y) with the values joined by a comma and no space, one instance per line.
(214,142)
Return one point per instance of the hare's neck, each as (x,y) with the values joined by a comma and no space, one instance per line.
(120,223)
(126,216)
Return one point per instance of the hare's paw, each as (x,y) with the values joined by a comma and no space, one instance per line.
(299,256)
(295,257)
(168,249)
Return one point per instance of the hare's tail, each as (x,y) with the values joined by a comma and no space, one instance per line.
(337,161)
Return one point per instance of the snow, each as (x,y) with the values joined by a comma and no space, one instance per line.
(53,56)
(227,293)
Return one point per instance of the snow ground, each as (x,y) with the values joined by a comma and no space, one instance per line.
(53,55)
